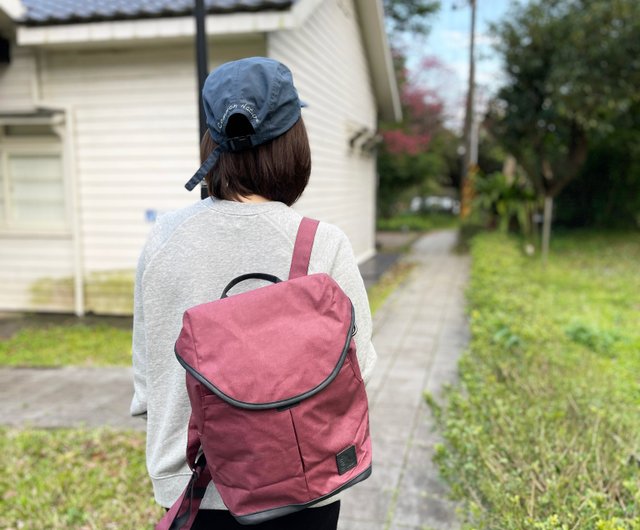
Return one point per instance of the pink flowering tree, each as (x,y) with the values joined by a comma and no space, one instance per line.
(411,159)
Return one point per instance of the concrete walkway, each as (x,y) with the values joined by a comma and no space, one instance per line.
(419,334)
(67,397)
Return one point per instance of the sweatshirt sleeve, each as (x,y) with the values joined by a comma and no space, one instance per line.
(138,348)
(346,273)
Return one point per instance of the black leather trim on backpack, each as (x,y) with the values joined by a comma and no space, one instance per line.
(261,517)
(283,402)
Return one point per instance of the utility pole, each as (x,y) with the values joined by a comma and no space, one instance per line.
(202,63)
(468,136)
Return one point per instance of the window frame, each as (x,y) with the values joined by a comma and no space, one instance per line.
(32,145)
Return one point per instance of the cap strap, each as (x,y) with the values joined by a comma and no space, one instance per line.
(204,169)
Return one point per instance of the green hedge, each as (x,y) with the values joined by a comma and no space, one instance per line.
(544,430)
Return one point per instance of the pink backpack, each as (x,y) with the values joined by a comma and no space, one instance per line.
(279,407)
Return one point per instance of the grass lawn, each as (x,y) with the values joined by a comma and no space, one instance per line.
(62,345)
(73,478)
(544,431)
(420,222)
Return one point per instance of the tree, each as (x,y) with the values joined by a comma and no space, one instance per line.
(419,151)
(409,16)
(607,190)
(573,69)
(416,154)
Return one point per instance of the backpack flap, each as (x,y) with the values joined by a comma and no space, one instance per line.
(270,347)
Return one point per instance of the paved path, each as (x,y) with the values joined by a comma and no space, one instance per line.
(420,333)
(69,396)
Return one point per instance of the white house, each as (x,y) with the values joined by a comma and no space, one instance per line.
(99,128)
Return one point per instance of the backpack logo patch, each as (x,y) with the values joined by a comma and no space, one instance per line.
(346,460)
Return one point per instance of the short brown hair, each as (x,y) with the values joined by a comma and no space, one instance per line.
(277,170)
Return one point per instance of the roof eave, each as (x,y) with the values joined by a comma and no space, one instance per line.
(151,29)
(371,17)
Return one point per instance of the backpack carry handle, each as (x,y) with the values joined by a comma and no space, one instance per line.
(251,276)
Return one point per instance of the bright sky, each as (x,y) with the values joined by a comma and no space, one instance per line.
(449,42)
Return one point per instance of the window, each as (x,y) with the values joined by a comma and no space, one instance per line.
(32,184)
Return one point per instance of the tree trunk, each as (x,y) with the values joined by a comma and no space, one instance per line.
(546,227)
(468,117)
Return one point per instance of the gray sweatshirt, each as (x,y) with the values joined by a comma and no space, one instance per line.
(189,258)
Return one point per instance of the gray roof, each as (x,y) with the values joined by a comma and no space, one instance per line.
(48,12)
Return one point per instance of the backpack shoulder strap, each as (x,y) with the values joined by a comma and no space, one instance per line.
(182,514)
(302,248)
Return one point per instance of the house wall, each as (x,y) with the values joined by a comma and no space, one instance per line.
(36,273)
(17,81)
(328,61)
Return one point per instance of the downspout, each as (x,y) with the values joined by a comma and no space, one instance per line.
(70,166)
(66,132)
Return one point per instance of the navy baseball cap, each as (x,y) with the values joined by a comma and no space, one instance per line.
(259,88)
